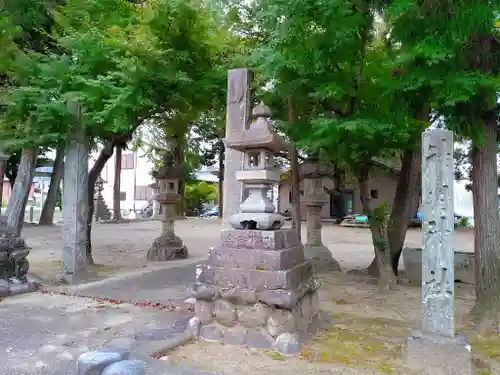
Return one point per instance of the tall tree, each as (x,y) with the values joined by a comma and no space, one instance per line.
(454,51)
(49,206)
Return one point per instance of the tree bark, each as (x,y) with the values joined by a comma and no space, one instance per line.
(486,310)
(117,214)
(94,173)
(49,206)
(407,189)
(178,153)
(378,229)
(221,177)
(17,203)
(295,177)
(338,199)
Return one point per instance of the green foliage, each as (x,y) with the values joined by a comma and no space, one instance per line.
(451,50)
(124,64)
(197,193)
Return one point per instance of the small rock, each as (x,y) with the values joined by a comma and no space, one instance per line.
(92,363)
(280,321)
(253,316)
(203,310)
(126,343)
(224,312)
(190,301)
(194,326)
(259,339)
(205,292)
(239,296)
(234,336)
(210,333)
(287,343)
(128,367)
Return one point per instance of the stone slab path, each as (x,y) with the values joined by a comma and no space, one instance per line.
(43,333)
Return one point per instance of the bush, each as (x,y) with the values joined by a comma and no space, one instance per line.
(197,193)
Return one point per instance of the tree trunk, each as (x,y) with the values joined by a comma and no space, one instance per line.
(378,228)
(17,203)
(94,173)
(407,189)
(221,177)
(295,177)
(486,310)
(117,214)
(179,160)
(49,206)
(338,199)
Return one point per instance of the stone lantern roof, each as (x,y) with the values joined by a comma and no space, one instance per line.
(259,135)
(168,170)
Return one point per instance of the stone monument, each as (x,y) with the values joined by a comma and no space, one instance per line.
(168,246)
(237,117)
(314,199)
(101,211)
(75,199)
(13,262)
(435,346)
(257,288)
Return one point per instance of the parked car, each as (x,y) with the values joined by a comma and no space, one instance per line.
(211,212)
(416,221)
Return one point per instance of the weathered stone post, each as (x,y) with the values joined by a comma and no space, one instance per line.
(75,203)
(156,205)
(435,346)
(3,163)
(100,207)
(314,199)
(168,246)
(257,289)
(238,114)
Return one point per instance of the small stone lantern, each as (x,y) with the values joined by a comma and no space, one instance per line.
(156,205)
(168,246)
(314,199)
(101,211)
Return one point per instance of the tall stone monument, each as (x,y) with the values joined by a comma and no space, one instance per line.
(75,202)
(237,117)
(101,210)
(257,288)
(315,197)
(435,347)
(156,205)
(168,246)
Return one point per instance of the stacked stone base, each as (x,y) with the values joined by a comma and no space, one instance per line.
(257,290)
(244,317)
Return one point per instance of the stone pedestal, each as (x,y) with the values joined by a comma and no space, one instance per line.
(101,210)
(14,264)
(314,200)
(436,349)
(257,288)
(168,246)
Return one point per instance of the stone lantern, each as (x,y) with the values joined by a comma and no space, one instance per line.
(256,289)
(156,205)
(312,173)
(168,246)
(101,211)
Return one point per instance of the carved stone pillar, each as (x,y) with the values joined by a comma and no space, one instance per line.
(156,205)
(168,246)
(435,346)
(314,199)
